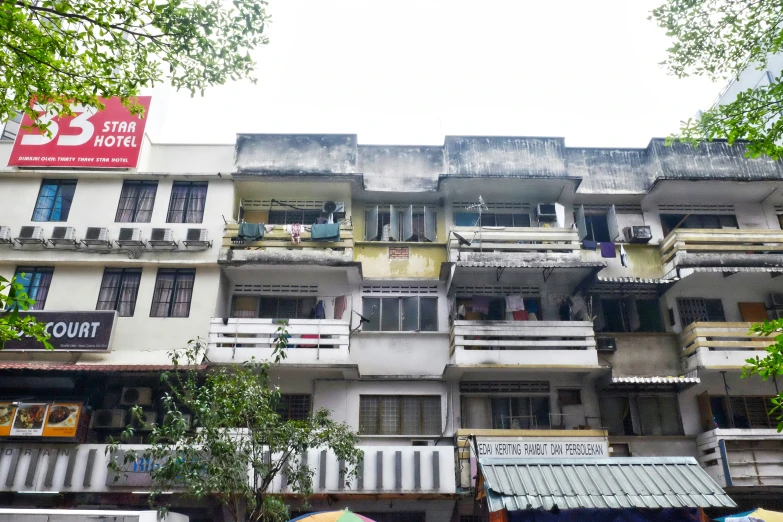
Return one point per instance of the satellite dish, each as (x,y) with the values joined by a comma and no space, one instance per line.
(462,240)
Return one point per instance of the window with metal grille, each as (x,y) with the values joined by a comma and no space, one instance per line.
(187,202)
(267,307)
(136,202)
(709,221)
(119,289)
(504,386)
(400,415)
(627,314)
(293,407)
(741,412)
(492,219)
(641,414)
(400,314)
(400,223)
(291,216)
(519,413)
(54,200)
(173,293)
(694,309)
(35,280)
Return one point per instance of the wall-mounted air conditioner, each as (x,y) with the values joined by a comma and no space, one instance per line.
(108,419)
(333,206)
(5,235)
(546,212)
(132,396)
(777,300)
(63,236)
(28,235)
(96,236)
(186,417)
(162,237)
(638,234)
(196,237)
(146,422)
(130,237)
(606,344)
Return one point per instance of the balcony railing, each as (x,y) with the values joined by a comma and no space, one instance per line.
(742,457)
(524,343)
(754,242)
(279,237)
(310,341)
(720,345)
(519,240)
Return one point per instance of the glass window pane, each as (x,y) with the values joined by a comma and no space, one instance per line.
(368,415)
(504,220)
(161,298)
(390,314)
(614,411)
(428,309)
(649,415)
(182,294)
(128,291)
(521,220)
(410,314)
(465,219)
(431,415)
(390,415)
(411,415)
(371,310)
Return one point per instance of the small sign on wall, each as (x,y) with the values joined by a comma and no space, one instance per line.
(70,332)
(543,448)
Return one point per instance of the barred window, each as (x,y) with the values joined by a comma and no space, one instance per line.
(400,415)
(54,200)
(293,407)
(35,280)
(400,314)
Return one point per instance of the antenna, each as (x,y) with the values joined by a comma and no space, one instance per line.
(481,207)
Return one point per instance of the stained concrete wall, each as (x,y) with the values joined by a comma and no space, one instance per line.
(644,354)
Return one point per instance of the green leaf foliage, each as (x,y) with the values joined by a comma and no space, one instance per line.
(14,299)
(719,39)
(772,364)
(238,443)
(65,53)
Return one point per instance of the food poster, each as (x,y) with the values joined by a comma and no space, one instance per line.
(29,419)
(62,420)
(7,410)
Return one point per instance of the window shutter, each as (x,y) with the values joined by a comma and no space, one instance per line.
(371,224)
(394,224)
(633,314)
(598,312)
(581,223)
(407,224)
(611,224)
(430,224)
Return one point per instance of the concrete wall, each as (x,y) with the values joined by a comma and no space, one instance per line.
(645,354)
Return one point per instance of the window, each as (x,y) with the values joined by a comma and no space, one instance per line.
(399,415)
(705,221)
(273,307)
(173,292)
(694,310)
(400,314)
(136,202)
(739,413)
(519,413)
(54,200)
(491,219)
(628,314)
(11,128)
(641,415)
(187,202)
(293,407)
(401,223)
(597,227)
(119,289)
(291,216)
(36,281)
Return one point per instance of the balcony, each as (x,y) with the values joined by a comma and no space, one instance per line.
(68,468)
(311,342)
(742,457)
(276,247)
(518,246)
(720,345)
(719,248)
(533,344)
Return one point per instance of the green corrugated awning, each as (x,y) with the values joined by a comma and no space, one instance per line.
(614,483)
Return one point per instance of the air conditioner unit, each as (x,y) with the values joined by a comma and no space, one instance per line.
(777,300)
(130,237)
(638,234)
(147,421)
(333,206)
(546,212)
(63,236)
(132,396)
(162,237)
(96,236)
(186,417)
(30,235)
(108,419)
(606,344)
(5,235)
(196,237)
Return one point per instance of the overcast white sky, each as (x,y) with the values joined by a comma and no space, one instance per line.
(412,71)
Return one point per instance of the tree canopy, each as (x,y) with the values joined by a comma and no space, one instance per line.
(718,39)
(63,53)
(14,299)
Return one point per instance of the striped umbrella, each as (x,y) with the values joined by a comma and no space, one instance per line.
(331,516)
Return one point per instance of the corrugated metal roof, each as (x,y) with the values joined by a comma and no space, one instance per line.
(635,280)
(690,270)
(613,483)
(521,263)
(656,380)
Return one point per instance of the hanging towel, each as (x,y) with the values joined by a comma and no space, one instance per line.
(607,250)
(589,245)
(325,232)
(339,307)
(532,307)
(320,313)
(521,315)
(269,228)
(250,231)
(481,304)
(623,256)
(515,303)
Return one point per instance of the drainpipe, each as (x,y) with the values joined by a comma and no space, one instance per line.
(728,401)
(775,380)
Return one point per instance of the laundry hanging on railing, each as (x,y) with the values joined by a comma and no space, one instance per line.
(325,232)
(250,231)
(340,304)
(607,250)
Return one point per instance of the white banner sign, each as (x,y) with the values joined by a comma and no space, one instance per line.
(535,449)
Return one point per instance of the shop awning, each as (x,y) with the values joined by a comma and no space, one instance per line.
(683,272)
(609,483)
(653,383)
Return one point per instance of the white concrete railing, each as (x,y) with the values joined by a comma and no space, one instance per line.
(719,241)
(69,468)
(310,341)
(720,345)
(524,343)
(742,457)
(513,240)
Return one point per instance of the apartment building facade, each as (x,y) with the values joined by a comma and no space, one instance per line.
(492,306)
